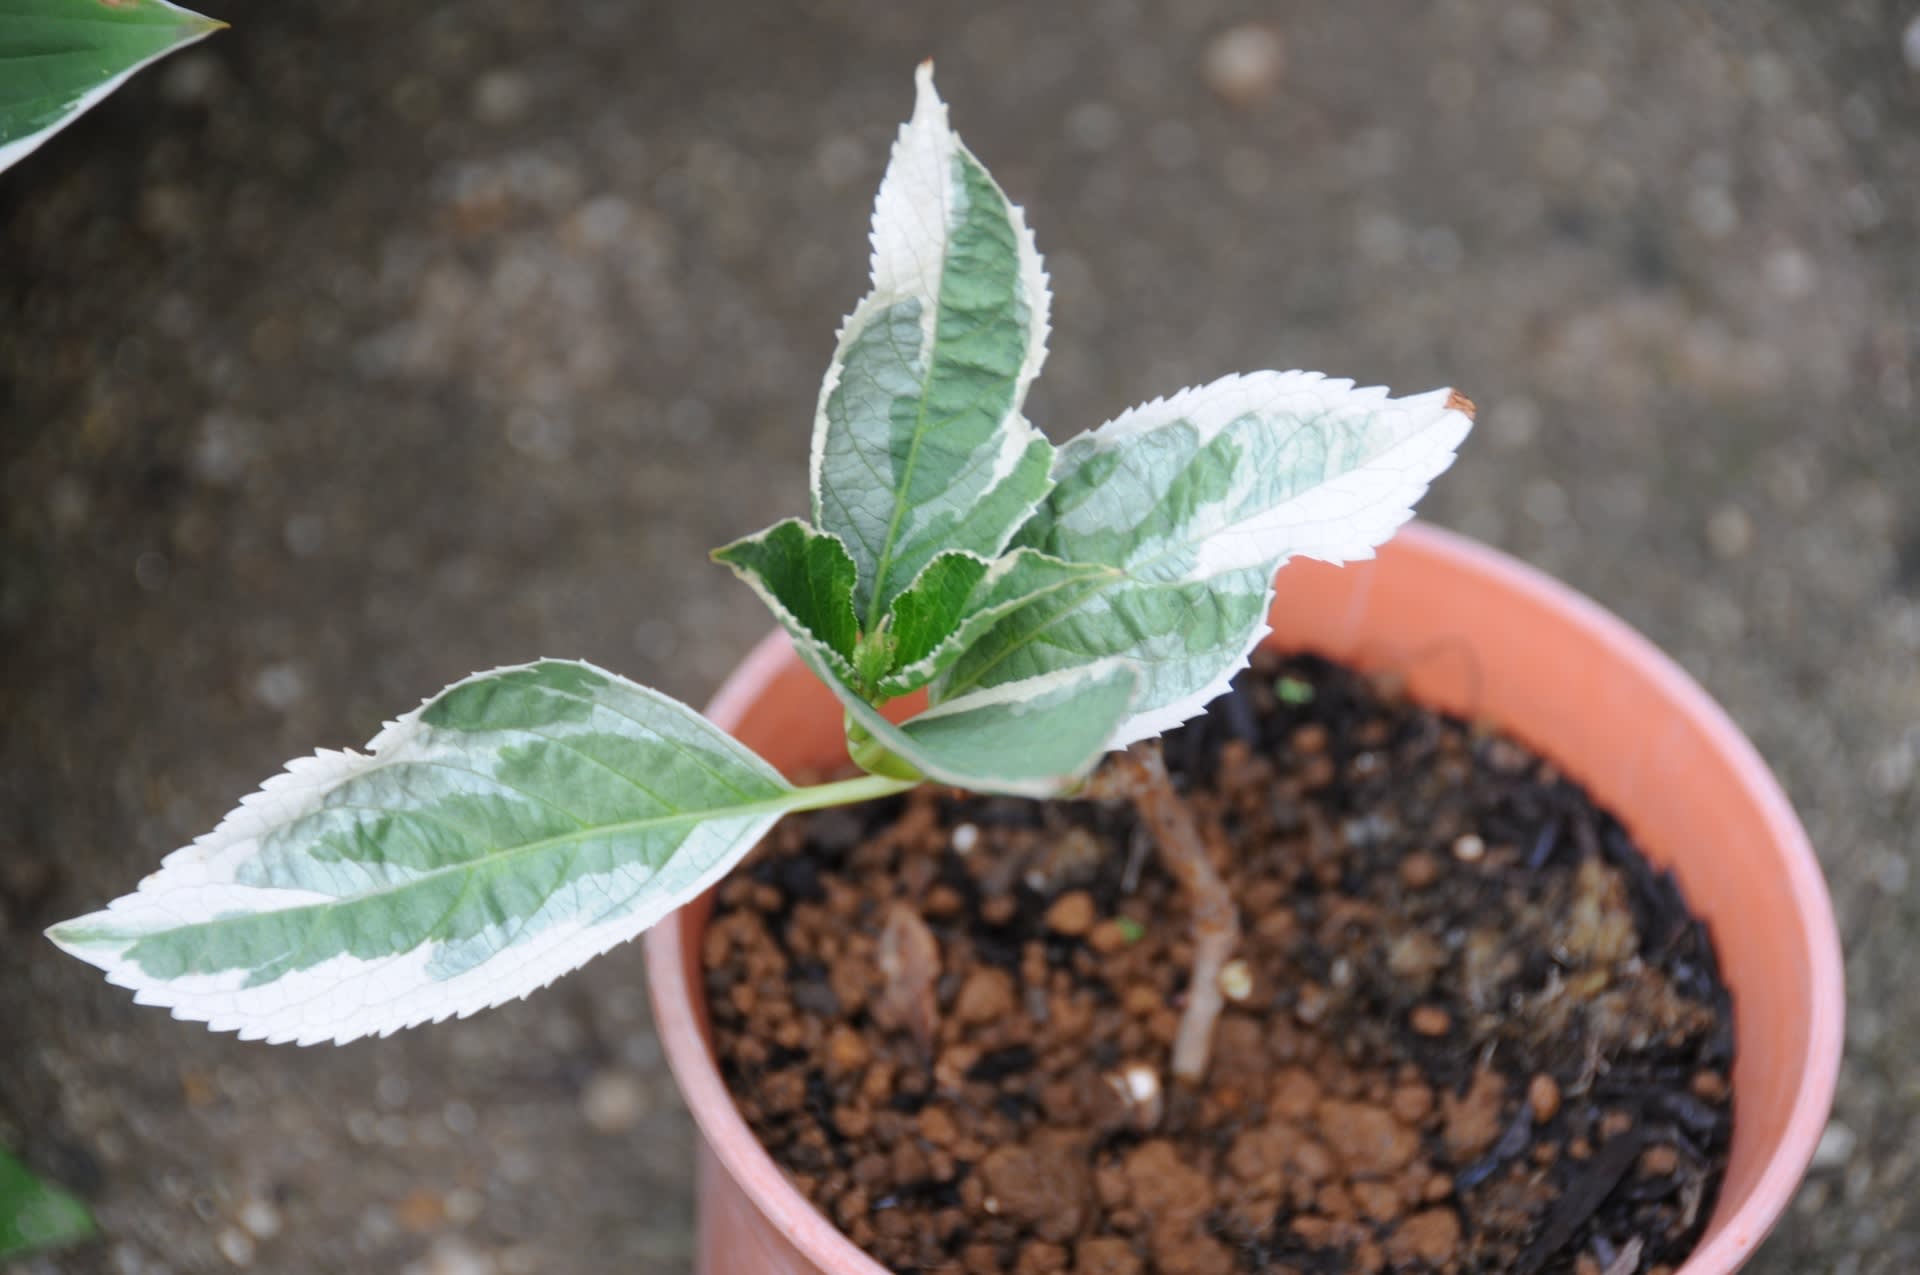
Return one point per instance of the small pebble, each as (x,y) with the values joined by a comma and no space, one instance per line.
(943,901)
(150,571)
(421,1211)
(1791,273)
(847,1051)
(1411,1103)
(1109,937)
(1713,211)
(193,80)
(260,1217)
(1835,1147)
(464,1206)
(1072,914)
(1709,1086)
(1236,981)
(1469,849)
(1311,1003)
(614,1101)
(235,1245)
(1138,1087)
(1429,1020)
(1659,1160)
(1310,740)
(965,838)
(1419,870)
(1543,1095)
(452,1256)
(1729,532)
(987,996)
(1244,63)
(392,1090)
(1429,1238)
(1093,126)
(502,97)
(460,1117)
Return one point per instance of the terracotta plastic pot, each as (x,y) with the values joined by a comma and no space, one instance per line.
(1475,633)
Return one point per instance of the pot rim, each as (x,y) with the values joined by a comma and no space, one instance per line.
(672,984)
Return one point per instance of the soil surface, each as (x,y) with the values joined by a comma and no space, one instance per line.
(1470,1030)
(368,344)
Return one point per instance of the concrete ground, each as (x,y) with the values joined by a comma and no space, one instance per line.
(371,344)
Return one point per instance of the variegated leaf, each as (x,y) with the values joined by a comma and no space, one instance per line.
(1025,739)
(960,596)
(919,446)
(512,827)
(58,58)
(1199,498)
(806,579)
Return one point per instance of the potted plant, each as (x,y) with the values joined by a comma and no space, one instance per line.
(1054,607)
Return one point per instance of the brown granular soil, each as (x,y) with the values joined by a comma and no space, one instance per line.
(1478,1033)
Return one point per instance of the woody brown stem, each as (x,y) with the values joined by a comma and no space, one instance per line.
(1139,775)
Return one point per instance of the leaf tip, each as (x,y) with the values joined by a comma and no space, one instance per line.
(80,938)
(926,98)
(198,25)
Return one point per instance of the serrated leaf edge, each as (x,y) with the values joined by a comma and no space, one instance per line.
(296,791)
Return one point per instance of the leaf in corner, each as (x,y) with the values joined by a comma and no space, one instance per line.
(61,57)
(35,1215)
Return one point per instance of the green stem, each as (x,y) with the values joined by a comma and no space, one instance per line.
(846,792)
(875,757)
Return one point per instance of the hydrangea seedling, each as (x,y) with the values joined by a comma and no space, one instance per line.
(1056,604)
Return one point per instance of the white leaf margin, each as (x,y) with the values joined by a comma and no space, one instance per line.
(973,623)
(1341,520)
(912,219)
(833,667)
(345,997)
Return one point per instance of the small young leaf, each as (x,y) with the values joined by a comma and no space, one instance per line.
(1025,739)
(36,1216)
(60,57)
(1198,499)
(512,827)
(919,446)
(806,578)
(958,597)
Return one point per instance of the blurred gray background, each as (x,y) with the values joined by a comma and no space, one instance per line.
(369,344)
